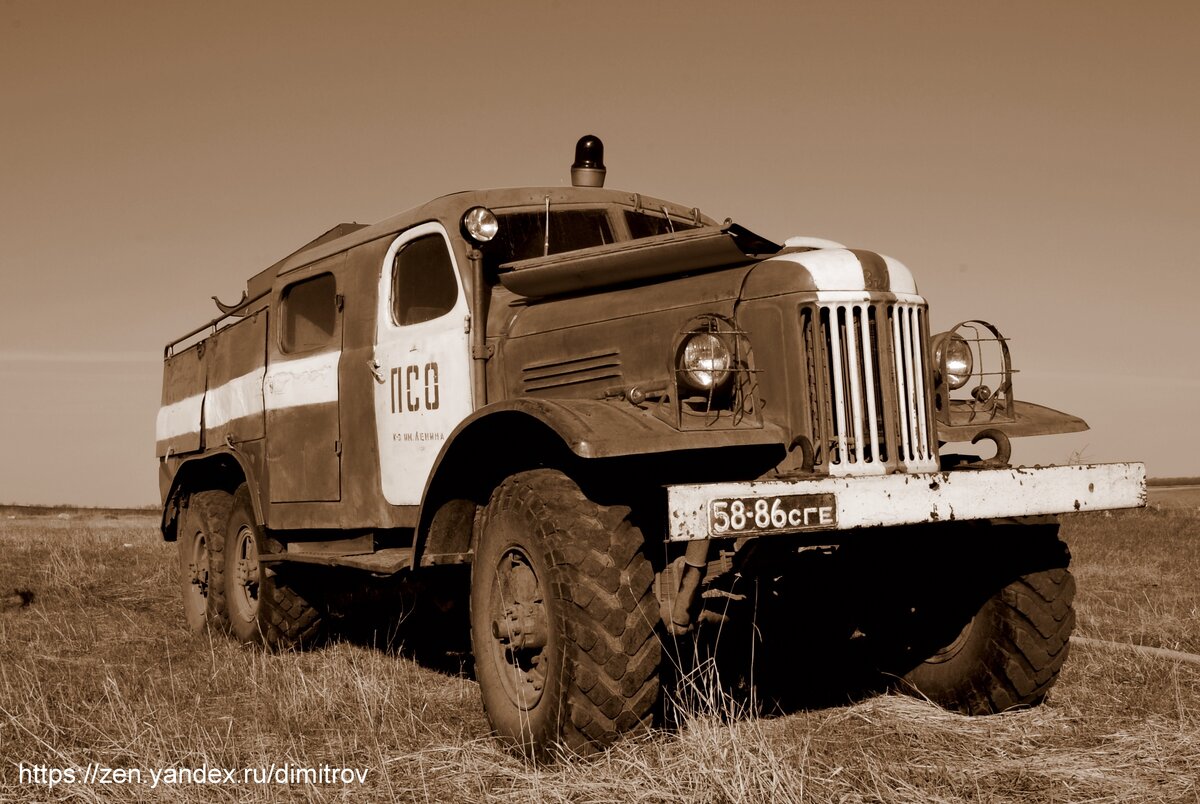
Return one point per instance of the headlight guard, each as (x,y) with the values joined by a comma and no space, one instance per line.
(712,375)
(973,380)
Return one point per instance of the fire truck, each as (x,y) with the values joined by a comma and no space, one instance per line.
(621,420)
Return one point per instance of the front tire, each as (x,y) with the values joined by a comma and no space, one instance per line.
(267,603)
(1010,653)
(977,618)
(562,618)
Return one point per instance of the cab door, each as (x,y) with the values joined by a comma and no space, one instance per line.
(422,359)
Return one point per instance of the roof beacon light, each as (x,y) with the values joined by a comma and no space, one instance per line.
(588,170)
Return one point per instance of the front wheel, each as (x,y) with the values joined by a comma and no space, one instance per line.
(977,617)
(562,618)
(266,603)
(1011,651)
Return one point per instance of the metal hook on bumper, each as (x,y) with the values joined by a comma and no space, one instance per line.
(1003,448)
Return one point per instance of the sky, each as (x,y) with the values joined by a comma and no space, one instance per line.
(1034,164)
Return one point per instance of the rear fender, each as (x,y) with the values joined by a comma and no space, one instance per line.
(224,468)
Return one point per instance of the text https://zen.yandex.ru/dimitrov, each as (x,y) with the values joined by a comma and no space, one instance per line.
(94,774)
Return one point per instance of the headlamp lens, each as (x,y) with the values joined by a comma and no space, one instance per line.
(955,356)
(705,361)
(480,224)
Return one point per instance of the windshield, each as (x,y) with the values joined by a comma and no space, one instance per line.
(649,224)
(524,235)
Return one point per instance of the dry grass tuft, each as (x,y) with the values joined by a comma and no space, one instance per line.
(1138,576)
(100,668)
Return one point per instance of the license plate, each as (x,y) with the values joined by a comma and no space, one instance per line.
(788,513)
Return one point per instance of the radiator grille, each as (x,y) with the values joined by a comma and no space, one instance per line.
(867,399)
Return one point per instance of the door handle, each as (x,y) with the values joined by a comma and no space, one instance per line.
(376,371)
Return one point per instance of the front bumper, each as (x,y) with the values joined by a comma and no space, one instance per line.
(759,508)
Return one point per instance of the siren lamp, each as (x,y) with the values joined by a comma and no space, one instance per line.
(588,170)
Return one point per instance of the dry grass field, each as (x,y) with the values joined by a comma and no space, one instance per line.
(99,669)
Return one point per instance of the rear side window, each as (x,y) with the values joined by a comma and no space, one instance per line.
(423,282)
(310,313)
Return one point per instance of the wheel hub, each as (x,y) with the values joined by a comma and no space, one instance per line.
(198,567)
(520,628)
(246,570)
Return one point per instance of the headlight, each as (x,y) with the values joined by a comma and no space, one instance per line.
(705,361)
(954,357)
(480,224)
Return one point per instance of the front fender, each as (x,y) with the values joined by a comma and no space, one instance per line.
(518,434)
(1026,419)
(598,429)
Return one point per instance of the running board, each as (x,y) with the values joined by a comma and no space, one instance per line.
(388,561)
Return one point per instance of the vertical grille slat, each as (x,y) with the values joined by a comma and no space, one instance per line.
(901,390)
(808,328)
(862,422)
(921,422)
(839,395)
(911,380)
(870,367)
(856,381)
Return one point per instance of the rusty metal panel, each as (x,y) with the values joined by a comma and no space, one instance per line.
(304,447)
(236,363)
(302,458)
(177,428)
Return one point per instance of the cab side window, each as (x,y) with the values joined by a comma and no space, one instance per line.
(309,314)
(423,282)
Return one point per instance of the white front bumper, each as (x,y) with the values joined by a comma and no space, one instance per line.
(842,503)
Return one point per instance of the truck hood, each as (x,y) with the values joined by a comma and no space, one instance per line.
(828,269)
(806,264)
(686,252)
(714,266)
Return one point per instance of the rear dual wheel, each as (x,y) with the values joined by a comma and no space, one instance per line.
(200,537)
(271,604)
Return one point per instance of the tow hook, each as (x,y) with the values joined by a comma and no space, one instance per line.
(1003,449)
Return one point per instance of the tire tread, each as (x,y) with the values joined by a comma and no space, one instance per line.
(212,508)
(608,610)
